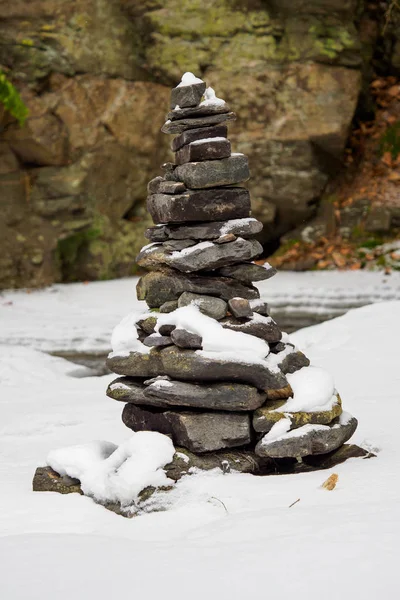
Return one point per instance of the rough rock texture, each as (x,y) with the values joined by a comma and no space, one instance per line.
(244,228)
(210,173)
(216,308)
(292,70)
(198,432)
(47,480)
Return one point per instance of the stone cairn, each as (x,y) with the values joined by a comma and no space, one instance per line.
(219,409)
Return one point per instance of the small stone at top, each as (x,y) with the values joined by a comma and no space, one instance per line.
(188,92)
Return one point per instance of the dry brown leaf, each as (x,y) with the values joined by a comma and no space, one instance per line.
(387,159)
(338,259)
(394,176)
(331,482)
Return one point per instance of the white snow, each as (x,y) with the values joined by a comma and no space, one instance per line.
(232,223)
(210,99)
(117,474)
(280,431)
(124,337)
(334,544)
(206,140)
(189,79)
(313,390)
(191,249)
(230,345)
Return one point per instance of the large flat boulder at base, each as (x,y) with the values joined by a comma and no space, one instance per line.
(212,173)
(212,396)
(244,228)
(158,287)
(309,439)
(201,205)
(189,365)
(198,432)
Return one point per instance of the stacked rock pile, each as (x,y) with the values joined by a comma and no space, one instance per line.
(207,365)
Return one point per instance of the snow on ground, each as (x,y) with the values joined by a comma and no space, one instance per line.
(224,536)
(81,316)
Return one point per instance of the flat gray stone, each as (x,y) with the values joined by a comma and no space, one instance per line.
(198,432)
(240,307)
(309,439)
(175,245)
(194,123)
(202,205)
(153,187)
(213,173)
(160,185)
(203,150)
(293,362)
(187,95)
(147,325)
(189,365)
(245,228)
(127,389)
(265,329)
(213,307)
(248,272)
(157,341)
(224,239)
(158,287)
(211,396)
(168,307)
(200,257)
(192,135)
(202,110)
(186,339)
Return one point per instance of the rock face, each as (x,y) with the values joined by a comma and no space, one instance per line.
(74,176)
(212,369)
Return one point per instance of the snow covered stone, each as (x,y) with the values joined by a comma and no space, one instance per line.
(201,110)
(248,272)
(216,308)
(261,327)
(158,287)
(193,135)
(201,256)
(189,365)
(200,205)
(193,123)
(265,417)
(208,149)
(307,440)
(189,92)
(245,228)
(198,432)
(126,389)
(213,173)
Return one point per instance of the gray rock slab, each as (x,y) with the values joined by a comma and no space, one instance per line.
(198,432)
(160,185)
(202,110)
(309,439)
(201,205)
(174,245)
(224,239)
(293,362)
(213,307)
(213,396)
(245,228)
(189,365)
(158,287)
(192,135)
(266,329)
(186,339)
(168,307)
(147,325)
(193,123)
(203,150)
(153,187)
(248,272)
(240,307)
(213,173)
(127,389)
(157,341)
(187,95)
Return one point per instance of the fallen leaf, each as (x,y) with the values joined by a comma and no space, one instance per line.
(331,482)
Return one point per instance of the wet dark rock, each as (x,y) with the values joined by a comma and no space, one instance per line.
(216,308)
(213,173)
(248,272)
(207,150)
(244,228)
(316,439)
(166,329)
(192,135)
(198,432)
(266,329)
(157,341)
(200,205)
(240,307)
(277,347)
(189,365)
(159,287)
(186,339)
(187,95)
(207,121)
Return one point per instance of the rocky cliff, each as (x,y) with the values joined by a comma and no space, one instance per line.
(95,76)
